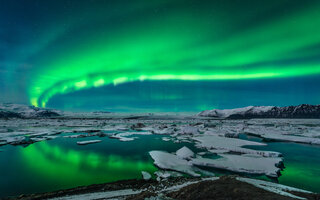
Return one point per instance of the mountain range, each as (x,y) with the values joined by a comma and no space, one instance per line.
(300,111)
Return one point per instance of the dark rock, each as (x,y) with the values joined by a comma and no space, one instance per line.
(9,114)
(137,126)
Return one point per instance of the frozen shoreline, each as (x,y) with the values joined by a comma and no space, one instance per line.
(178,188)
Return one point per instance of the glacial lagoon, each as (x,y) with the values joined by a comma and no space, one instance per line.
(61,163)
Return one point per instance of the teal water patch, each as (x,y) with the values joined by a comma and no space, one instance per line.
(302,164)
(61,163)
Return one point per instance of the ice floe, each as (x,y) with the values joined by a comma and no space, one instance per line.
(146,175)
(124,136)
(248,163)
(169,161)
(224,144)
(298,134)
(189,130)
(88,142)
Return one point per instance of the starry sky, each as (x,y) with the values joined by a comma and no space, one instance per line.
(159,55)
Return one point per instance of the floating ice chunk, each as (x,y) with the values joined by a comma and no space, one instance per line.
(274,187)
(189,130)
(231,144)
(162,175)
(166,139)
(166,131)
(146,175)
(123,139)
(88,142)
(250,164)
(126,134)
(185,153)
(202,153)
(76,136)
(284,132)
(169,161)
(166,174)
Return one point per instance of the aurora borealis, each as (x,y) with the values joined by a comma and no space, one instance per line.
(257,52)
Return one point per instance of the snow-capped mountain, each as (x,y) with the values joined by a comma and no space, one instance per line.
(8,110)
(300,111)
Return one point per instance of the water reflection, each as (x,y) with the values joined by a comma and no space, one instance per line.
(81,167)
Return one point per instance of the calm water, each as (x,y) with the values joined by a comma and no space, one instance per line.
(302,164)
(61,163)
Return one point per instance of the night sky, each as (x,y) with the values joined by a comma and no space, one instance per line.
(159,55)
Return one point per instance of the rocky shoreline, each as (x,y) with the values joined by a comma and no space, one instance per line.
(225,187)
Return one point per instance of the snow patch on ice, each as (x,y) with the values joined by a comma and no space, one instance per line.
(169,161)
(250,164)
(217,144)
(185,153)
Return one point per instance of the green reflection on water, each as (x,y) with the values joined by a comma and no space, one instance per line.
(76,167)
(302,164)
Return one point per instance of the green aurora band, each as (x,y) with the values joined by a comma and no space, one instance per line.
(179,44)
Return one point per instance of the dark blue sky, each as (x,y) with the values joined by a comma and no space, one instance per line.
(191,96)
(162,55)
